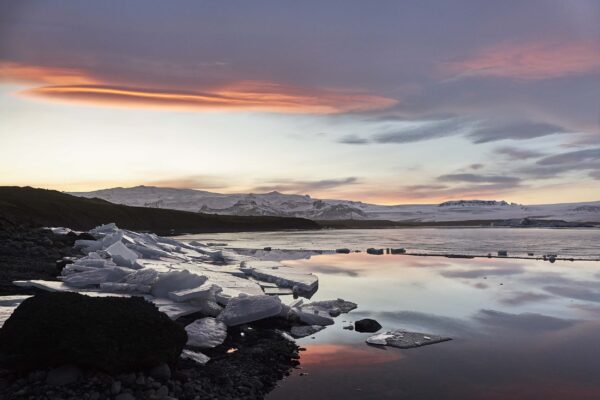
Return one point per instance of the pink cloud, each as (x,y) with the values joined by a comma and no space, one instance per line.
(530,61)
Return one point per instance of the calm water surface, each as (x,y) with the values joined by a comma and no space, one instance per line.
(521,329)
(578,243)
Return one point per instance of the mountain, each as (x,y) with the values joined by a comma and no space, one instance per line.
(304,206)
(39,207)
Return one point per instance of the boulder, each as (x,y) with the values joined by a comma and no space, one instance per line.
(113,334)
(367,325)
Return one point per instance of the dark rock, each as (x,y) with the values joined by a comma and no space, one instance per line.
(64,375)
(398,251)
(112,334)
(367,325)
(161,372)
(125,396)
(342,251)
(373,251)
(267,248)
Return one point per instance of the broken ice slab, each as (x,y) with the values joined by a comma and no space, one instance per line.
(123,256)
(195,356)
(206,291)
(305,330)
(333,307)
(206,333)
(404,339)
(281,275)
(278,291)
(312,316)
(244,309)
(124,287)
(175,310)
(174,281)
(50,286)
(95,277)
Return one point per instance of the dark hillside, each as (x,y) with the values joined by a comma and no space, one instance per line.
(40,207)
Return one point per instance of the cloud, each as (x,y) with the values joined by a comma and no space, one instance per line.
(515,153)
(475,130)
(352,139)
(522,130)
(476,167)
(577,156)
(555,165)
(425,131)
(191,182)
(529,61)
(474,178)
(306,186)
(79,86)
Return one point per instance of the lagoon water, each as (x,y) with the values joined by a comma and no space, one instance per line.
(521,329)
(578,243)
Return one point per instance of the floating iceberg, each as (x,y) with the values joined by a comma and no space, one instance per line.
(404,339)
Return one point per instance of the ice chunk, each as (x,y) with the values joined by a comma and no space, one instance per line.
(305,330)
(174,281)
(313,316)
(283,276)
(206,291)
(195,356)
(206,333)
(122,256)
(333,307)
(175,310)
(145,276)
(95,277)
(8,304)
(244,309)
(124,287)
(50,286)
(404,339)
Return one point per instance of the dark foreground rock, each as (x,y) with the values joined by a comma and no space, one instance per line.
(367,325)
(245,367)
(111,334)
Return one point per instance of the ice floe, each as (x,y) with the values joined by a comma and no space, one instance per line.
(404,339)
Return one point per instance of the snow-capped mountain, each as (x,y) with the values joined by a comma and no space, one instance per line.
(278,204)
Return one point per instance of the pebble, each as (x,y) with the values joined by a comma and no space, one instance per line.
(115,387)
(125,396)
(161,372)
(63,375)
(162,392)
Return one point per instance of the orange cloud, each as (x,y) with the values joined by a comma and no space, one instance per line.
(530,61)
(23,73)
(77,86)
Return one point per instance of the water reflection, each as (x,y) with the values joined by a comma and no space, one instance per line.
(515,335)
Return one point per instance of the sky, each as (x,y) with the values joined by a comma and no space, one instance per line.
(387,102)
